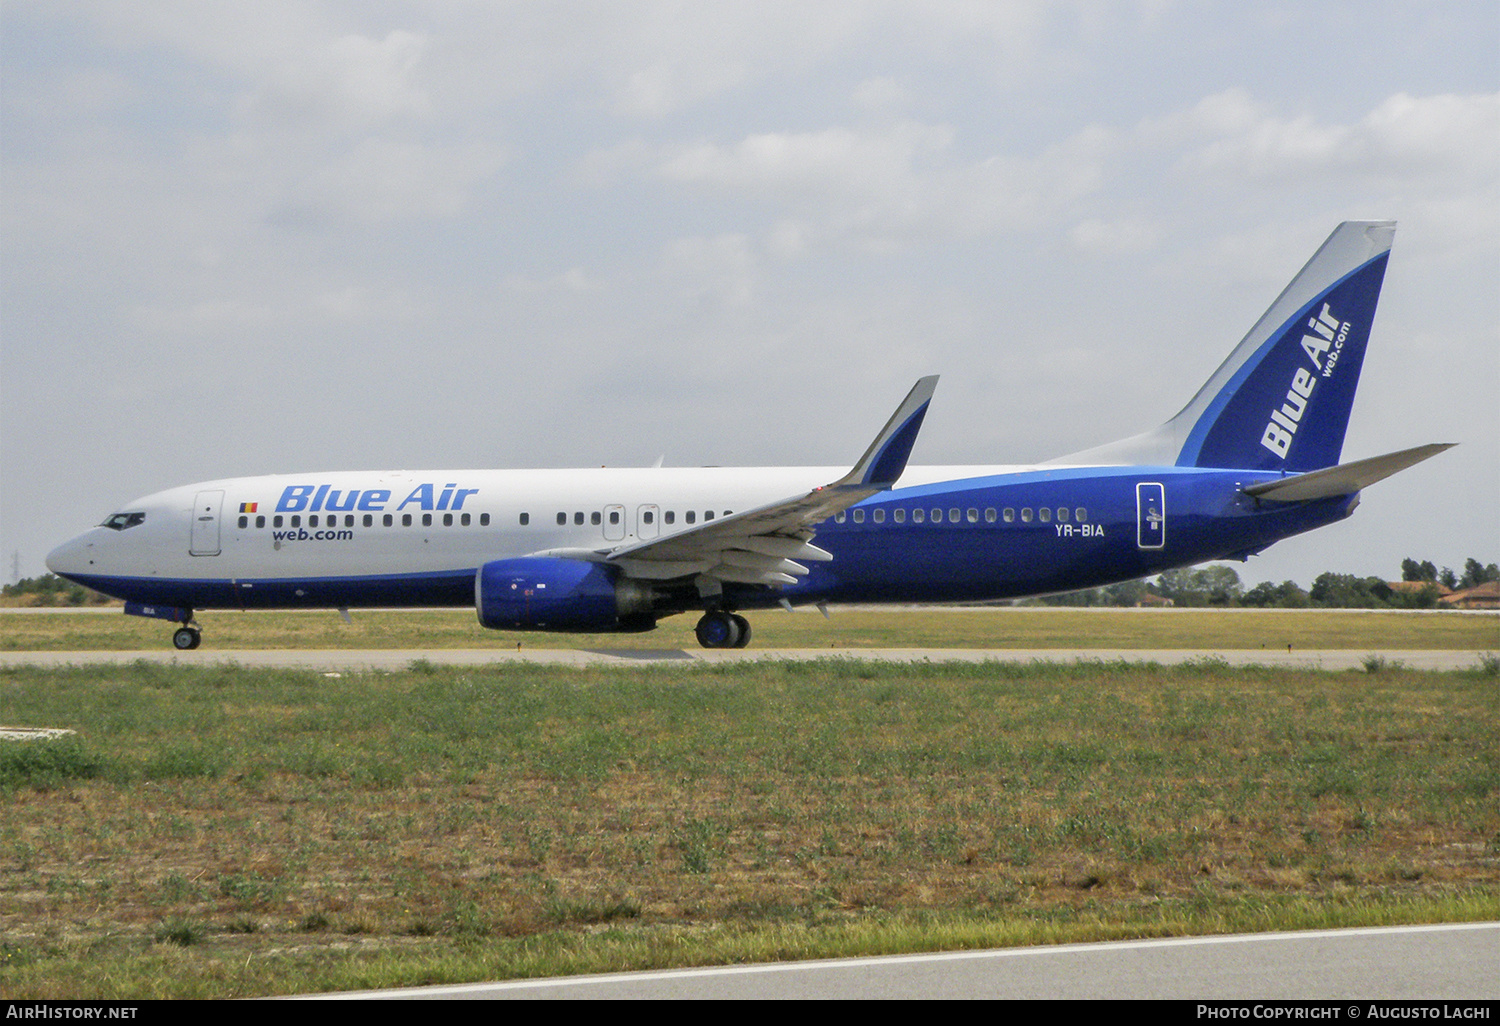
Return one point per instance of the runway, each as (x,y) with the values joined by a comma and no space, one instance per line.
(1457,963)
(331,660)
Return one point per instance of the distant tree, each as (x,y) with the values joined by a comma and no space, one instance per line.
(1286,595)
(1346,591)
(1200,586)
(1424,598)
(1127,593)
(1411,570)
(50,590)
(1447,578)
(1475,573)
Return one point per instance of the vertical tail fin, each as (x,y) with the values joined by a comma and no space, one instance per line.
(1281,401)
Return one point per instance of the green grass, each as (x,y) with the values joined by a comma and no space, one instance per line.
(1015,627)
(221,831)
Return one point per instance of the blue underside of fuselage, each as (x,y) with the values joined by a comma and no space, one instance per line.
(1207,517)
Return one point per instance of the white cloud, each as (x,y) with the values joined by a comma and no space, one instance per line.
(1453,137)
(886,186)
(353,81)
(1119,237)
(382,179)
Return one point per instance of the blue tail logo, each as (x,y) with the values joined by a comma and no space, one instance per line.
(1284,404)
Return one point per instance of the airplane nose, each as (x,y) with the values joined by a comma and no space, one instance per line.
(71,557)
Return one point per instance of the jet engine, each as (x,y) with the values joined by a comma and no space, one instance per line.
(544,593)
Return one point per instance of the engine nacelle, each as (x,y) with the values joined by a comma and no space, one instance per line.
(540,593)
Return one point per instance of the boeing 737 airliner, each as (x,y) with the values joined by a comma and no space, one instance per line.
(1253,458)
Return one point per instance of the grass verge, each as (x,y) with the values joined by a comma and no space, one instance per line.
(228,832)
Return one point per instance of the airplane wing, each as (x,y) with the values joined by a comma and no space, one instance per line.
(761,546)
(1344,479)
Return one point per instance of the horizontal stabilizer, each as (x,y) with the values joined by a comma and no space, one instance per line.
(1345,479)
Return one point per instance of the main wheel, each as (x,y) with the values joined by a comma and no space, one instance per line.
(185,638)
(744,626)
(717,629)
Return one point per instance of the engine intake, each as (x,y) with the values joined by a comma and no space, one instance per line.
(540,593)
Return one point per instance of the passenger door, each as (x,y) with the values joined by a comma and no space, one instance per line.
(1150,516)
(205,540)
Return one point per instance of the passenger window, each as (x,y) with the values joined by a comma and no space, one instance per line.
(989,515)
(937,516)
(525,519)
(426,519)
(972,516)
(578,519)
(692,516)
(562,519)
(1062,514)
(465,521)
(1080,514)
(953,516)
(1010,515)
(670,517)
(1044,515)
(614,518)
(708,514)
(277,522)
(484,520)
(900,514)
(312,521)
(406,520)
(595,518)
(387,520)
(838,518)
(648,517)
(918,516)
(296,521)
(260,522)
(1026,515)
(244,522)
(349,520)
(447,519)
(859,516)
(878,516)
(369,520)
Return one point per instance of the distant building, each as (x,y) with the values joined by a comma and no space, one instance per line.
(1481,596)
(1152,601)
(1417,587)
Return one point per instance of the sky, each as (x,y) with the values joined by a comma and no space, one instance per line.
(306,235)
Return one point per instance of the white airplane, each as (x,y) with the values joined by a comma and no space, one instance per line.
(1253,458)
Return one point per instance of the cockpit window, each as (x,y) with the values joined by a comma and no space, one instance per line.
(120,521)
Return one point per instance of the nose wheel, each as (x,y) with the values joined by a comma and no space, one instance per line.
(721,629)
(186,638)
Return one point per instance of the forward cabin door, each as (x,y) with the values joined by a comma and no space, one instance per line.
(206,523)
(1150,516)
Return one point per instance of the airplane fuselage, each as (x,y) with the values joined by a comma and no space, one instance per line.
(419,538)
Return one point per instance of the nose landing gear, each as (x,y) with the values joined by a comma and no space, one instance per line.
(720,628)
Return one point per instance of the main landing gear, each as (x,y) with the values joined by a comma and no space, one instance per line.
(720,628)
(187,637)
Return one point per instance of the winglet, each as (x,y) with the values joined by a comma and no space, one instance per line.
(885,459)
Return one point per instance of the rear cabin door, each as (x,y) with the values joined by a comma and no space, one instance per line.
(1150,516)
(206,523)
